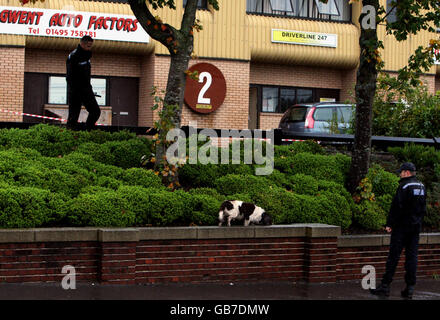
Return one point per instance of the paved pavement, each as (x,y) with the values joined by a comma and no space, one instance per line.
(426,289)
(270,300)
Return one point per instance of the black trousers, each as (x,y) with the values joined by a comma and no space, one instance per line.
(407,238)
(79,96)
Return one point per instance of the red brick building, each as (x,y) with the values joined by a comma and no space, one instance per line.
(271,53)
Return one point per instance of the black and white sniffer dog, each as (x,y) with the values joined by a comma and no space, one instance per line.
(239,210)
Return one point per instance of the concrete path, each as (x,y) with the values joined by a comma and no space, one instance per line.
(426,289)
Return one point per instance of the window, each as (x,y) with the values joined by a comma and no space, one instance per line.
(287,98)
(323,114)
(270,100)
(58,90)
(201,4)
(329,8)
(344,114)
(99,86)
(281,5)
(304,96)
(297,114)
(391,11)
(279,99)
(334,10)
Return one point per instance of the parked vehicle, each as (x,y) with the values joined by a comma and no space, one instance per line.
(324,117)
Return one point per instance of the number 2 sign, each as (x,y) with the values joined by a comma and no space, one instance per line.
(208,93)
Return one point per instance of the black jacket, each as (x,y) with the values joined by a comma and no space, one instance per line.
(409,204)
(78,68)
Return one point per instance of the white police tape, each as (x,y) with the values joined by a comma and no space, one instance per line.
(39,116)
(291,140)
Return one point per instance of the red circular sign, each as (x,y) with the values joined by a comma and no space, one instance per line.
(208,93)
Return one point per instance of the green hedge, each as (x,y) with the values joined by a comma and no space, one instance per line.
(384,183)
(370,215)
(25,207)
(332,168)
(101,209)
(288,207)
(241,183)
(71,178)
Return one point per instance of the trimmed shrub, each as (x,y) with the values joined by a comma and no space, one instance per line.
(198,175)
(168,208)
(123,154)
(53,180)
(284,164)
(321,167)
(128,154)
(204,209)
(100,137)
(100,209)
(384,202)
(99,152)
(303,184)
(204,175)
(138,199)
(292,149)
(207,191)
(279,179)
(336,210)
(239,196)
(24,207)
(330,209)
(273,201)
(247,184)
(224,169)
(49,140)
(87,163)
(108,182)
(370,215)
(94,189)
(141,177)
(421,156)
(432,217)
(383,182)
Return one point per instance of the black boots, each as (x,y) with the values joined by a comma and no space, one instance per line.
(408,292)
(383,290)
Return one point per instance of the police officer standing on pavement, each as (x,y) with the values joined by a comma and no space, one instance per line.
(79,88)
(404,222)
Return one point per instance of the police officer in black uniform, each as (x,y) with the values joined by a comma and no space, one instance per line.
(79,89)
(404,222)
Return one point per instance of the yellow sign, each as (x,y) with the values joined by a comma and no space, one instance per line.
(305,38)
(203,106)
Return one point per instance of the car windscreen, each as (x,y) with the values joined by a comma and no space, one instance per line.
(296,114)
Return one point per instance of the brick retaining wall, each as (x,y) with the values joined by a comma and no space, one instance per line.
(298,252)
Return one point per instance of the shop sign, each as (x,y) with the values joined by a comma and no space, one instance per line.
(327,100)
(305,38)
(70,24)
(206,94)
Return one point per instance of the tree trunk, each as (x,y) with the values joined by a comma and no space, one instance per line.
(365,91)
(180,46)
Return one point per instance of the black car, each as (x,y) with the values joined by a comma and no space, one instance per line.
(324,117)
